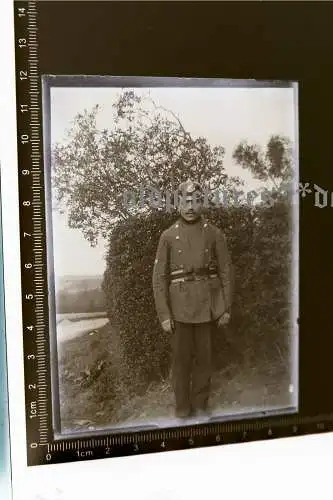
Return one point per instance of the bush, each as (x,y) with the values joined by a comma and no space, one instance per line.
(260,245)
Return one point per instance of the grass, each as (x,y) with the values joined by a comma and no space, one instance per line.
(93,396)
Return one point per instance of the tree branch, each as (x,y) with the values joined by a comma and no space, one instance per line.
(186,134)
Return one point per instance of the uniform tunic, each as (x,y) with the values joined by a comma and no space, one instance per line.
(198,247)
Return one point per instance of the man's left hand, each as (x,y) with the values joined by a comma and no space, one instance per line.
(223,320)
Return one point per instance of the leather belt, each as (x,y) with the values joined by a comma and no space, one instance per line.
(193,277)
(205,271)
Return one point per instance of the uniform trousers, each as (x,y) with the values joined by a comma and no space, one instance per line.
(191,367)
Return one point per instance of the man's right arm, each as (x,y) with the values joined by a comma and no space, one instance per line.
(161,281)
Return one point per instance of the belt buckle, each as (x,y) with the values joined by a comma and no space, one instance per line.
(190,277)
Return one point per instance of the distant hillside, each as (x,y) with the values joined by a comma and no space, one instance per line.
(79,294)
(74,284)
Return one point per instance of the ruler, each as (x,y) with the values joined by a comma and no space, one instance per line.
(32,228)
(43,445)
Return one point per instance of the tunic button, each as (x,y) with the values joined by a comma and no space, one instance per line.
(177,237)
(205,225)
(206,250)
(177,226)
(179,251)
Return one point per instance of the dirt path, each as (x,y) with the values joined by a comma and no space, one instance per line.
(67,329)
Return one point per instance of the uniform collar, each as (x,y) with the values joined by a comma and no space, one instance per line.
(184,223)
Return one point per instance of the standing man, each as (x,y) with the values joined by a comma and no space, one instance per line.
(192,290)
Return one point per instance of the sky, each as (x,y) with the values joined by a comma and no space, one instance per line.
(225,116)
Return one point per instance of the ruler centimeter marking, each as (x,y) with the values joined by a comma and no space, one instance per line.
(31,218)
(39,282)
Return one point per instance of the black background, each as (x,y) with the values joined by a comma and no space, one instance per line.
(262,40)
